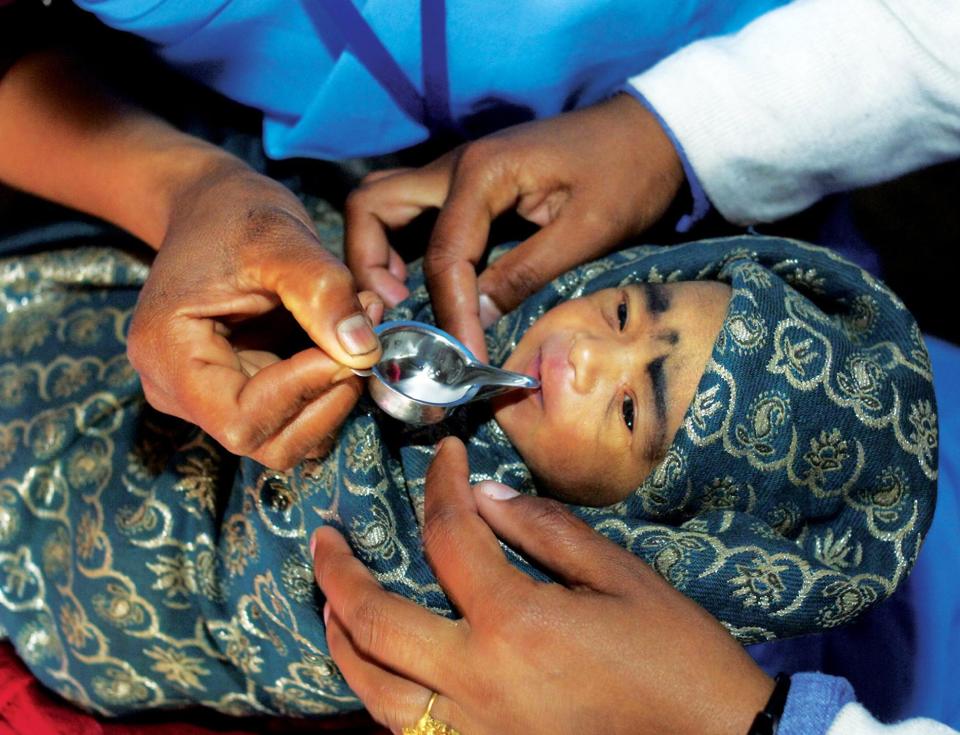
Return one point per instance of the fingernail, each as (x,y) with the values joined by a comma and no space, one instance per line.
(313,545)
(356,335)
(497,490)
(326,613)
(489,311)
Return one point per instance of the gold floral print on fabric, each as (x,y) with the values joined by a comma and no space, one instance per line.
(142,566)
(125,500)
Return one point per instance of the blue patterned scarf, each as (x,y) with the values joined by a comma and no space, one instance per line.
(141,566)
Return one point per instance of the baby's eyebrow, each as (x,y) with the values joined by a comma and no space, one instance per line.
(656,447)
(658,298)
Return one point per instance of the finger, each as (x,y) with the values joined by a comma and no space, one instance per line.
(574,237)
(453,294)
(311,430)
(372,305)
(383,173)
(242,412)
(547,533)
(387,629)
(253,361)
(390,282)
(389,202)
(321,294)
(391,289)
(393,701)
(480,191)
(462,550)
(396,266)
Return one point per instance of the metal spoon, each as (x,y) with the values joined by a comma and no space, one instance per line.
(424,373)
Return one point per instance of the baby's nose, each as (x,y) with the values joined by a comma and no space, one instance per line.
(589,357)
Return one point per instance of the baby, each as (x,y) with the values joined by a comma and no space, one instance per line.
(618,369)
(754,417)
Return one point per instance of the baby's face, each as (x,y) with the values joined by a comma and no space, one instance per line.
(617,371)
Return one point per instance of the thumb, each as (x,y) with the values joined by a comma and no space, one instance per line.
(576,236)
(547,533)
(321,294)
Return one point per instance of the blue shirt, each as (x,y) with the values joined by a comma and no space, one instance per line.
(336,80)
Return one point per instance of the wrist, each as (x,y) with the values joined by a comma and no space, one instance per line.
(767,720)
(698,205)
(182,169)
(719,693)
(218,187)
(652,150)
(751,695)
(730,698)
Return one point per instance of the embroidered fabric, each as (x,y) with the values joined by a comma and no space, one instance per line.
(141,566)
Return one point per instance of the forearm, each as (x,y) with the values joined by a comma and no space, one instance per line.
(814,98)
(64,138)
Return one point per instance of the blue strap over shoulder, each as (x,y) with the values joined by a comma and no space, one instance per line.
(432,108)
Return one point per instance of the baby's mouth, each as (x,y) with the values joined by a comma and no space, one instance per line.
(533,370)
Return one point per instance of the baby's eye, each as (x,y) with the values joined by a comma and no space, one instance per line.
(622,313)
(627,410)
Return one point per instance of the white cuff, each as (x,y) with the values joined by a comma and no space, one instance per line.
(853,719)
(815,97)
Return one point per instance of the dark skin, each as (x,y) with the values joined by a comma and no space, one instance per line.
(591,179)
(610,648)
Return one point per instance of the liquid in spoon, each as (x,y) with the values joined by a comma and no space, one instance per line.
(422,387)
(419,381)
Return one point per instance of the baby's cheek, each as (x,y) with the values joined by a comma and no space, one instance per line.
(568,465)
(591,478)
(567,476)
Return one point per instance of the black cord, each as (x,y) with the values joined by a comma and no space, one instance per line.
(768,719)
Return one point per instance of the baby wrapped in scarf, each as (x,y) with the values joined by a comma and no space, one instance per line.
(753,417)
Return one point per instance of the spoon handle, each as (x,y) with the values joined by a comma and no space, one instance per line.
(484,376)
(489,391)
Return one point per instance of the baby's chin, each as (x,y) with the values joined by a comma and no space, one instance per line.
(514,418)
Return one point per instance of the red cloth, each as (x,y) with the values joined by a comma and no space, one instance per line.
(27,708)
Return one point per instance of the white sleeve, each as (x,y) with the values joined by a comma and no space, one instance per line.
(815,97)
(853,719)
